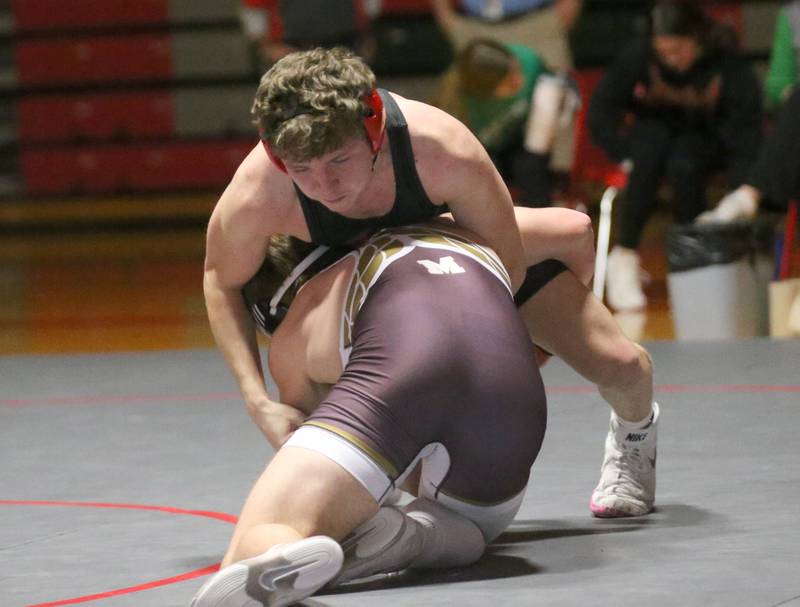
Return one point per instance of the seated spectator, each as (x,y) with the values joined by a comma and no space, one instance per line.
(679,104)
(279,27)
(507,97)
(542,25)
(539,24)
(774,178)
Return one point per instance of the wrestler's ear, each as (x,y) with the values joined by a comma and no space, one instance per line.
(275,160)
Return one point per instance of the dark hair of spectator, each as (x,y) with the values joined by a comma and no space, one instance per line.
(679,18)
(482,65)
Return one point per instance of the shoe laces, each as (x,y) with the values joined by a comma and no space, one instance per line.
(627,461)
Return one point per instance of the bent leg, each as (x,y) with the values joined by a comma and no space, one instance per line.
(422,535)
(283,548)
(556,233)
(329,501)
(567,320)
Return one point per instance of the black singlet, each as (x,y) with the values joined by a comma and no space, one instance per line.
(411,203)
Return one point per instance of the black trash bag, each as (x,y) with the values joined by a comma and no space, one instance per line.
(692,246)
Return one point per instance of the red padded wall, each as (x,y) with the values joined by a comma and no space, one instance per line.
(76,14)
(94,60)
(98,116)
(106,169)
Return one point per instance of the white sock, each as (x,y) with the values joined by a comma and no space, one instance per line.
(625,429)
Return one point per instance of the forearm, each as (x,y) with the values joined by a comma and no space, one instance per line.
(444,14)
(512,254)
(234,333)
(604,129)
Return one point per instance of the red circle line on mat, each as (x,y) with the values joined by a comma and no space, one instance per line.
(228,518)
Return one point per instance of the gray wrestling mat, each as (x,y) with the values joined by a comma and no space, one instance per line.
(118,473)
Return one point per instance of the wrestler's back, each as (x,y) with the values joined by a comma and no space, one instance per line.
(440,355)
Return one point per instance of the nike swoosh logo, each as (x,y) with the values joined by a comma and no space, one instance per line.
(269,578)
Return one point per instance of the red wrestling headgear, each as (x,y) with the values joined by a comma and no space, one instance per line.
(373,124)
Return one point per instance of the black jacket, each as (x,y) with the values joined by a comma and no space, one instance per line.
(720,95)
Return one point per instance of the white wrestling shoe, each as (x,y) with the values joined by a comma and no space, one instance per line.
(627,484)
(424,534)
(388,542)
(283,575)
(624,280)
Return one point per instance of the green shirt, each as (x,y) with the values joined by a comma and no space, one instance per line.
(785,58)
(498,121)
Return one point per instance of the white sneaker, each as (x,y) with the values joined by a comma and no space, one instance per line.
(627,484)
(283,575)
(386,543)
(739,205)
(623,280)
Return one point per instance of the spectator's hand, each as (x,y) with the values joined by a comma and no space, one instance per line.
(740,204)
(568,12)
(659,93)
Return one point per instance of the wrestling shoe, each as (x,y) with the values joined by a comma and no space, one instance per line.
(627,484)
(388,542)
(283,575)
(624,280)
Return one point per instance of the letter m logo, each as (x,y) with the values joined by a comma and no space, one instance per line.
(446,265)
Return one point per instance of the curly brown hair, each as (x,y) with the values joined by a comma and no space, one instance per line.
(311,102)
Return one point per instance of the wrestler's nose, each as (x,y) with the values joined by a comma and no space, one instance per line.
(328,181)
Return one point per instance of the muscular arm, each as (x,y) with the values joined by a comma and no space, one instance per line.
(236,241)
(455,169)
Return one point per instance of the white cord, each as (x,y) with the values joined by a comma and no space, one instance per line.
(603,236)
(294,275)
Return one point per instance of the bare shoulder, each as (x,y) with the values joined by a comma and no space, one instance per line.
(445,150)
(258,202)
(259,197)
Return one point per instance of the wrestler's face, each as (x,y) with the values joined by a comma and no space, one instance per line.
(337,178)
(678,53)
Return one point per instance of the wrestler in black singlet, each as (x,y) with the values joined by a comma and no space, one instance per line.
(411,205)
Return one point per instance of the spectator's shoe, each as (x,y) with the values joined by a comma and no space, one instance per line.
(283,575)
(739,205)
(624,285)
(388,542)
(627,484)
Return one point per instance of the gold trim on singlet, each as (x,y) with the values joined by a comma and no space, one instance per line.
(445,236)
(389,245)
(388,468)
